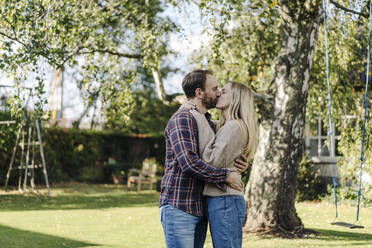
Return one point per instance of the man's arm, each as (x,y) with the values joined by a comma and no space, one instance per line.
(182,135)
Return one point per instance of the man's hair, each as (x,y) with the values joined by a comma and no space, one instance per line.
(193,80)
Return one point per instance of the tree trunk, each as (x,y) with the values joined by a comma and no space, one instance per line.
(159,84)
(271,190)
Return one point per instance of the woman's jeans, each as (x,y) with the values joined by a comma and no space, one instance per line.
(182,230)
(226,216)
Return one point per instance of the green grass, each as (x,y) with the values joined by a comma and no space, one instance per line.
(107,216)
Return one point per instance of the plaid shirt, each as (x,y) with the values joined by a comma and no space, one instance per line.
(185,173)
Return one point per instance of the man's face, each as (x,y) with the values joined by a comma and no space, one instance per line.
(211,92)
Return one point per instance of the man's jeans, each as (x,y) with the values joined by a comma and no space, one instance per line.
(226,216)
(182,230)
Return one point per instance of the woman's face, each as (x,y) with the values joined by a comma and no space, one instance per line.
(225,99)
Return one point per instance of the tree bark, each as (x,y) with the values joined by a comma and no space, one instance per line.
(271,190)
(159,85)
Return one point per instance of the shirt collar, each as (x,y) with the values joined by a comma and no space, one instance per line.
(208,116)
(191,105)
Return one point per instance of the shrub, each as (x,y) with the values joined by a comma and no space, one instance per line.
(350,147)
(309,184)
(82,155)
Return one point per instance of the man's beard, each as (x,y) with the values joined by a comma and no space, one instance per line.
(209,102)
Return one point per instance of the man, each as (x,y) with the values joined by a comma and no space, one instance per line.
(181,200)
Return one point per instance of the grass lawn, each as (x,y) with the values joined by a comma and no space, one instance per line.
(108,216)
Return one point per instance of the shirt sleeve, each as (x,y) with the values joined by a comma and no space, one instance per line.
(226,145)
(183,138)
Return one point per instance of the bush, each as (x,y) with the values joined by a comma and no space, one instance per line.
(350,147)
(346,194)
(82,155)
(309,184)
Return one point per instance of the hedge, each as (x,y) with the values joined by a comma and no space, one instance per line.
(82,155)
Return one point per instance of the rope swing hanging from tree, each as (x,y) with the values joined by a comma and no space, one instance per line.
(330,133)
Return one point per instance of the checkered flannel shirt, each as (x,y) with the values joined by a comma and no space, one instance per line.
(185,172)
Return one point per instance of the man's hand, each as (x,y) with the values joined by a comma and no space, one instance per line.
(234,180)
(242,165)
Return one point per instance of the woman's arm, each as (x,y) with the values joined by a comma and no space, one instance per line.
(226,146)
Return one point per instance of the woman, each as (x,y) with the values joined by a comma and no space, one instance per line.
(236,135)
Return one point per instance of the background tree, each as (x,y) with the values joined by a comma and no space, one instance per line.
(271,47)
(107,41)
(149,115)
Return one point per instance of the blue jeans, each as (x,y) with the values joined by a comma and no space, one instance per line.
(182,230)
(226,216)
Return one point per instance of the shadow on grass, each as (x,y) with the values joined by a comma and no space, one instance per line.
(11,202)
(332,235)
(12,237)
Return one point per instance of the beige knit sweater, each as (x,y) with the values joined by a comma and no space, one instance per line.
(220,149)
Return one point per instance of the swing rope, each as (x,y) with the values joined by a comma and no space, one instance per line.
(330,133)
(365,112)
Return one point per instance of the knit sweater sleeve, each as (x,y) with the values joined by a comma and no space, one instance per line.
(226,146)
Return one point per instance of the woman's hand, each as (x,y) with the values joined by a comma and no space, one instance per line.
(242,165)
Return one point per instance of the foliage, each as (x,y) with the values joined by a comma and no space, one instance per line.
(6,132)
(349,166)
(148,116)
(347,44)
(252,41)
(105,42)
(80,150)
(309,184)
(7,140)
(85,154)
(347,195)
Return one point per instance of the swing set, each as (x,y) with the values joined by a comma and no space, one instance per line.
(330,133)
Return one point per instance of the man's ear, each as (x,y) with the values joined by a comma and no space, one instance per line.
(198,92)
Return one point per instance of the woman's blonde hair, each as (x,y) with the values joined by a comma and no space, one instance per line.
(241,108)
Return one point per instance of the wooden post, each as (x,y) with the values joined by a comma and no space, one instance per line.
(22,162)
(27,157)
(32,181)
(42,156)
(13,156)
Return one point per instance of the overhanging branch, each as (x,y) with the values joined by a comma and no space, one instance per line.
(264,98)
(108,51)
(335,3)
(12,38)
(126,55)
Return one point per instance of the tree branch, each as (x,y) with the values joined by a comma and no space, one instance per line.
(126,55)
(11,25)
(12,38)
(108,51)
(335,3)
(263,98)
